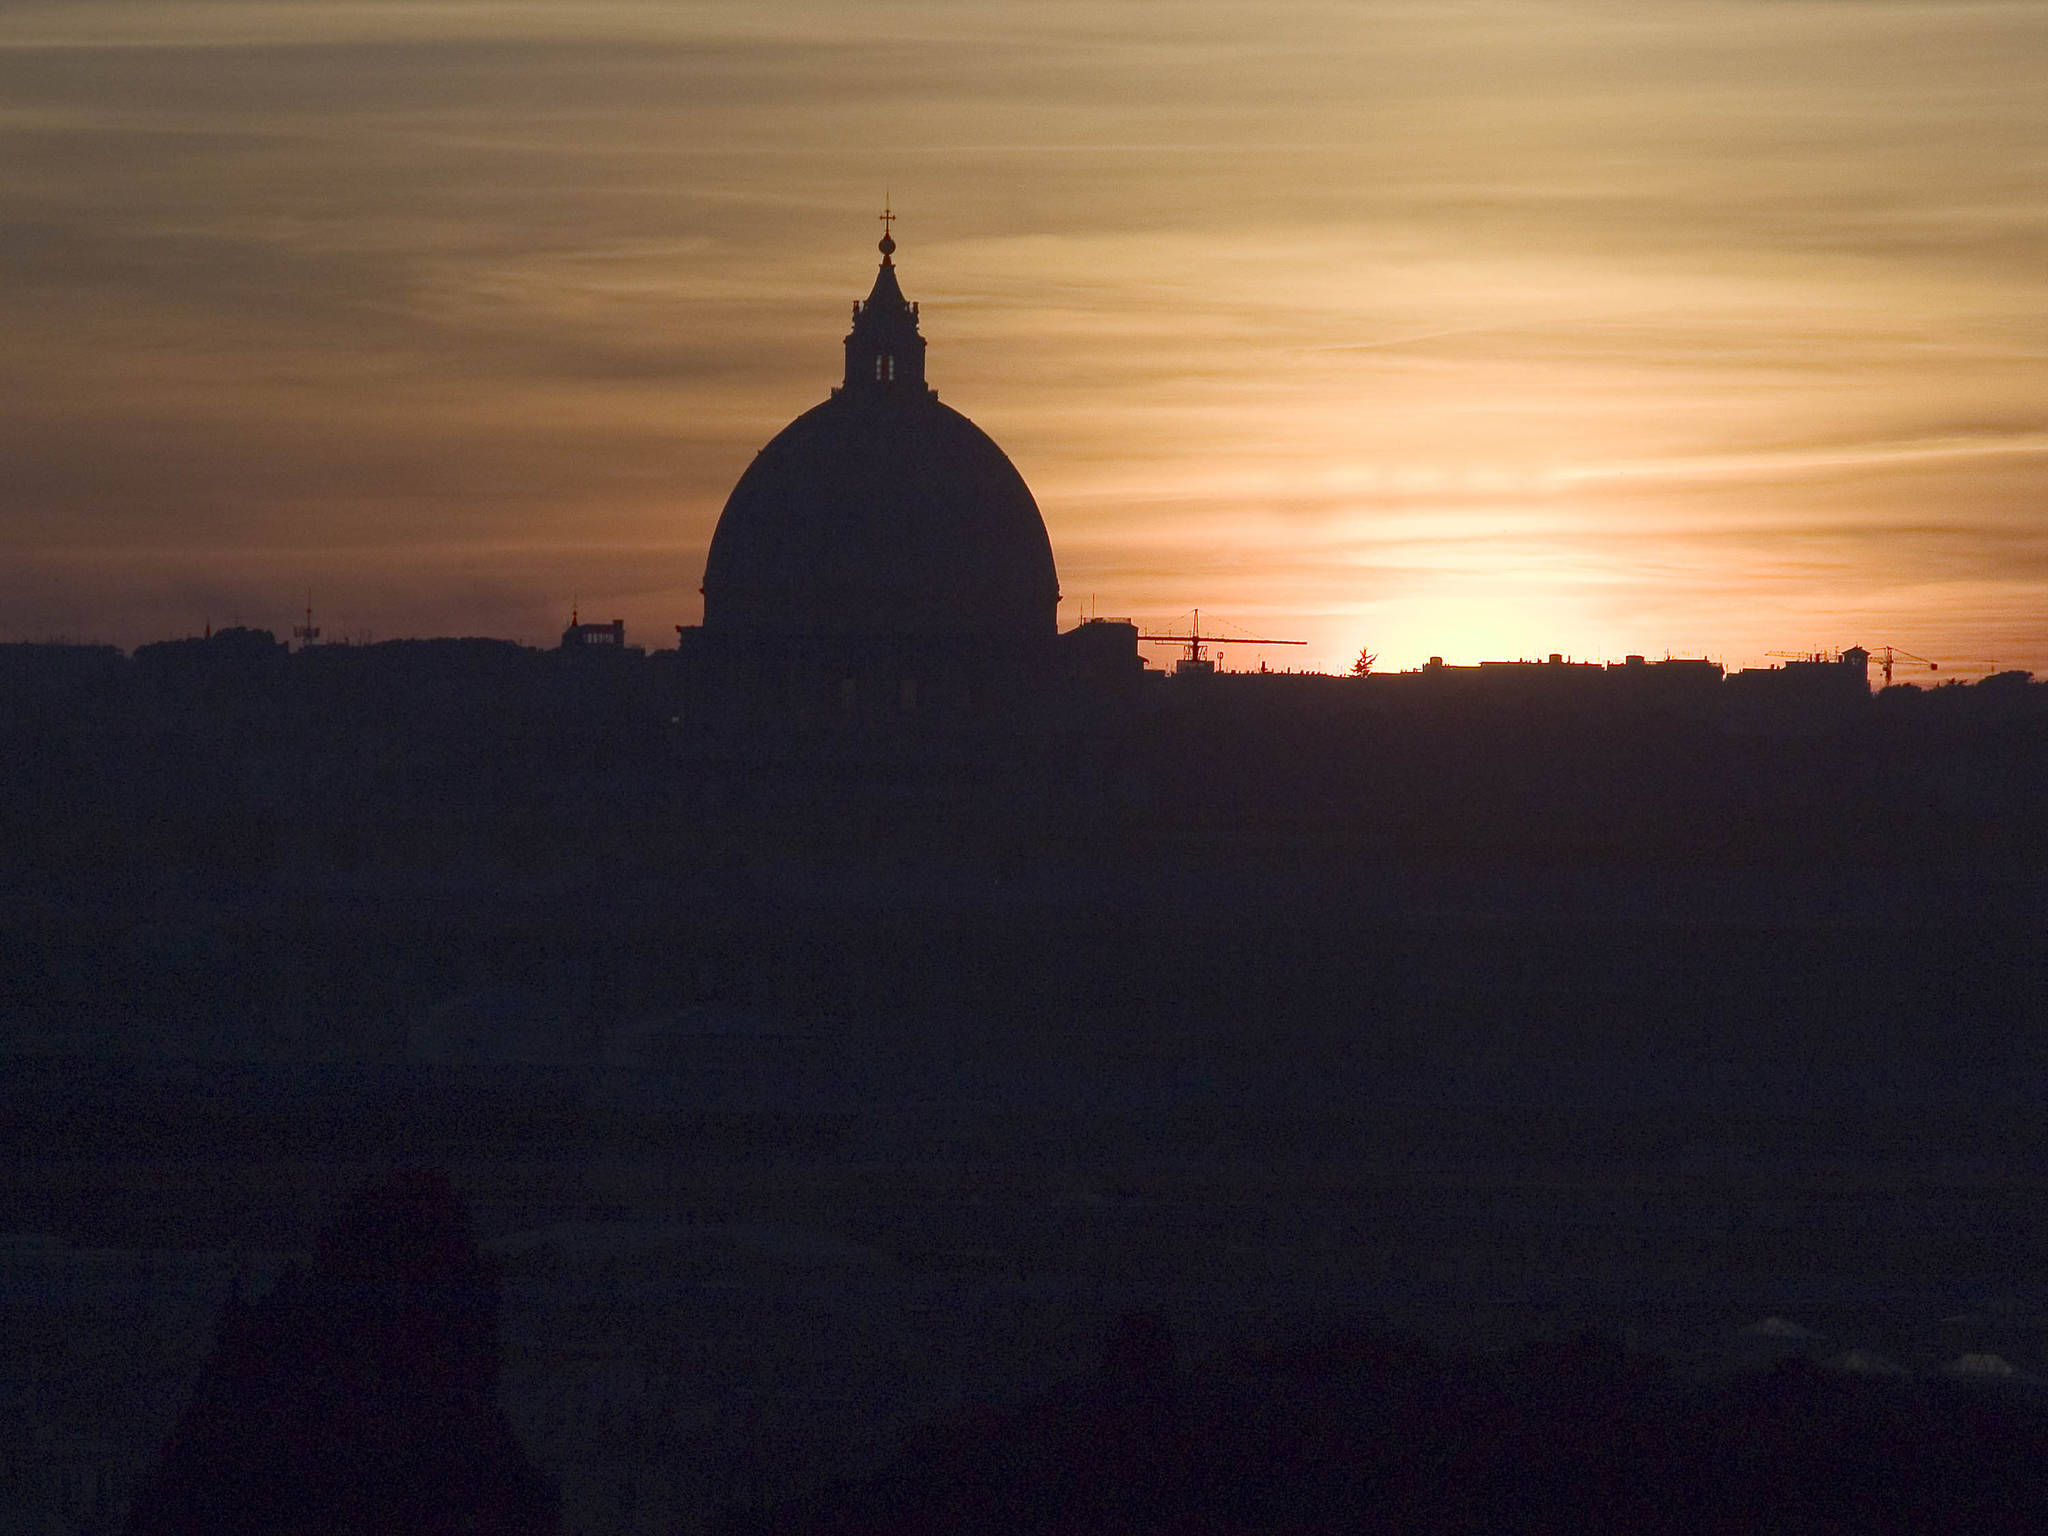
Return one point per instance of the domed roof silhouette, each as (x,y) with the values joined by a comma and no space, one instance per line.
(881,511)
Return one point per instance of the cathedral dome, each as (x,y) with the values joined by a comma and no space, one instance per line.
(881,511)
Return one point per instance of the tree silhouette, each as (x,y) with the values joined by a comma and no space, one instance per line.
(359,1395)
(1367,660)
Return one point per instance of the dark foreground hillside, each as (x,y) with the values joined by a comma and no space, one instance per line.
(1376,1432)
(772,1179)
(803,1100)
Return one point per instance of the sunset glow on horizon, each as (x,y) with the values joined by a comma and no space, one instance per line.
(1702,327)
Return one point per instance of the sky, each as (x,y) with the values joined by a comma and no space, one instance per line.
(1481,330)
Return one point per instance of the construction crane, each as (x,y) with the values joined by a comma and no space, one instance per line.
(1195,664)
(1889,654)
(1887,659)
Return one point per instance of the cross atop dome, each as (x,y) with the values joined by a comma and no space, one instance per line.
(888,242)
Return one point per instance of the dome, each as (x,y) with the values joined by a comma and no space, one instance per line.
(881,511)
(881,516)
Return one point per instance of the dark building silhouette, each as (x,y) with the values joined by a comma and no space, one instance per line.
(1557,682)
(360,1394)
(882,563)
(579,636)
(1806,694)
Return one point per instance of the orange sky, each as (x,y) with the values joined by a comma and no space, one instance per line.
(1701,326)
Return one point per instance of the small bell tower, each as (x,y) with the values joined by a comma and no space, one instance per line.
(884,352)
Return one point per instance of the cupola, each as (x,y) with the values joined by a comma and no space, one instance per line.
(884,352)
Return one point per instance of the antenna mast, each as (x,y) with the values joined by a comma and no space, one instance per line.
(307,633)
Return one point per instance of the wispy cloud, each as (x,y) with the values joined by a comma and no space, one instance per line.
(1781,465)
